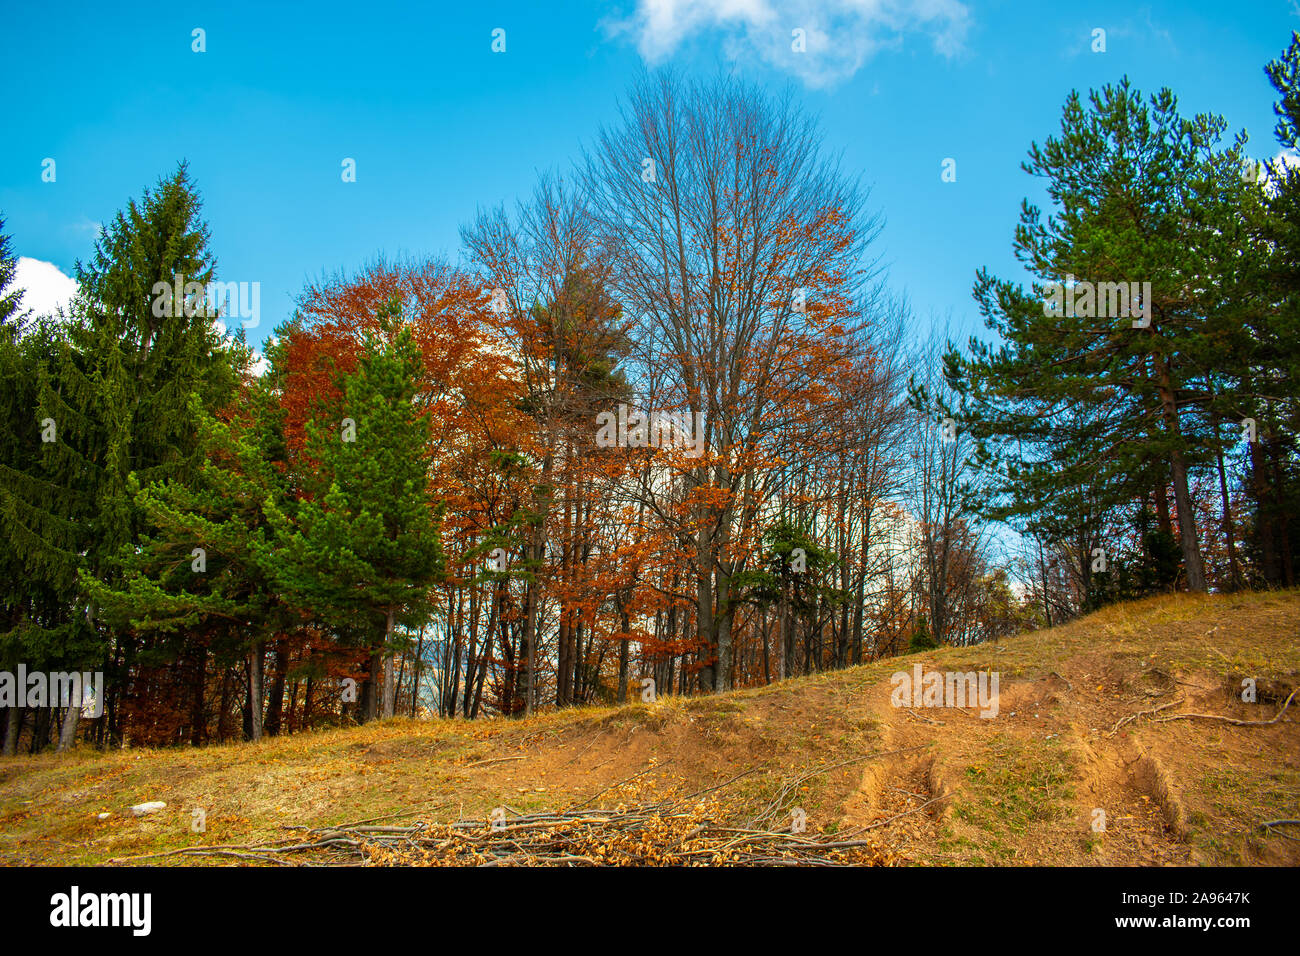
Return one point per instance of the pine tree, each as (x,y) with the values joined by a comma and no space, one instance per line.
(1093,396)
(1273,475)
(362,548)
(790,576)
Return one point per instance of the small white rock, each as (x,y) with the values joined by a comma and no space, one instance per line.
(105,816)
(153,806)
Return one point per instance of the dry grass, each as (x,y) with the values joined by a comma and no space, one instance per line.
(1020,788)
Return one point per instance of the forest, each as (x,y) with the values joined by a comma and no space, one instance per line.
(661,427)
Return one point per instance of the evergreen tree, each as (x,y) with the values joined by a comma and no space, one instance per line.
(197,586)
(112,398)
(27,602)
(362,547)
(11,299)
(1272,400)
(39,538)
(922,639)
(1082,392)
(791,577)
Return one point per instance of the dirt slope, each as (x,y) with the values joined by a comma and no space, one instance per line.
(918,785)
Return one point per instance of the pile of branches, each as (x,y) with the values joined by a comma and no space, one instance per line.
(664,834)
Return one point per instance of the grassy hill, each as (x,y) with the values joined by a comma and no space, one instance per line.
(720,775)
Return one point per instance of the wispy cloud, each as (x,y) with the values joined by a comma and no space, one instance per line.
(838,36)
(87,227)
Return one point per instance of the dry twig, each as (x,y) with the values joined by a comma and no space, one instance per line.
(1232,720)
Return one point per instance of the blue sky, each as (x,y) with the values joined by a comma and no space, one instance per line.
(439,124)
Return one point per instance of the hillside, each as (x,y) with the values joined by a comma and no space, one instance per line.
(902,785)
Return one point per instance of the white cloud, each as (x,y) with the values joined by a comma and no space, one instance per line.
(1280,168)
(260,364)
(839,35)
(44,285)
(1268,174)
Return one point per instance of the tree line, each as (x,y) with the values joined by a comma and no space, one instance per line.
(408,506)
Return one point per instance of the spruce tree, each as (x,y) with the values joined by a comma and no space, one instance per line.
(113,398)
(11,298)
(197,584)
(39,536)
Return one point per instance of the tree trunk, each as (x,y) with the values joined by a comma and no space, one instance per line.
(418,667)
(1042,570)
(223,708)
(704,600)
(373,686)
(722,680)
(1283,513)
(455,628)
(71,715)
(1187,523)
(198,720)
(563,659)
(623,659)
(785,662)
(859,598)
(275,699)
(471,661)
(580,669)
(13,726)
(390,689)
(767,657)
(1160,496)
(1270,566)
(40,730)
(255,663)
(1234,570)
(1178,474)
(482,673)
(528,652)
